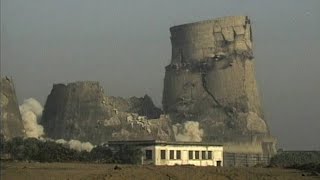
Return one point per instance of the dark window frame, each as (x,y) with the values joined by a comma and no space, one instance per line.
(149,154)
(203,155)
(196,154)
(162,154)
(209,154)
(171,154)
(178,154)
(191,155)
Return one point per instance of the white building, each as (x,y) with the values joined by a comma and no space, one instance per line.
(176,153)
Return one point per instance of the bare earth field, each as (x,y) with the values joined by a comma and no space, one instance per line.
(34,171)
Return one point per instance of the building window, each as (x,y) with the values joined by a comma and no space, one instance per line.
(190,154)
(178,154)
(171,154)
(163,154)
(209,154)
(203,155)
(149,154)
(197,155)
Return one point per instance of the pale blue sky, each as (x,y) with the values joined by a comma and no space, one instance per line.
(126,45)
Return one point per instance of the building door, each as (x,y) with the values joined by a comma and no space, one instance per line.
(218,163)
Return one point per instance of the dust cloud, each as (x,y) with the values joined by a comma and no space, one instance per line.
(188,131)
(31,112)
(76,145)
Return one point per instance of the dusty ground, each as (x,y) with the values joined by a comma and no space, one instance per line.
(34,171)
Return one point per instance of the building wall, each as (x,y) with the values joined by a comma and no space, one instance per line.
(230,80)
(245,160)
(211,79)
(201,39)
(10,118)
(217,155)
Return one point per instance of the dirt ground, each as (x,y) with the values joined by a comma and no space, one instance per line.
(34,171)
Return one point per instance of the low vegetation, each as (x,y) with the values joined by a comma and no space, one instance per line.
(302,160)
(292,158)
(32,149)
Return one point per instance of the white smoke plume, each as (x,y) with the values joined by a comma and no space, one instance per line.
(189,131)
(76,145)
(31,112)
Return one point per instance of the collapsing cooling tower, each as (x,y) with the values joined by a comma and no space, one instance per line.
(211,79)
(11,121)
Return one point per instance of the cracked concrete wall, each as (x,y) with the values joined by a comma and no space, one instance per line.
(195,41)
(211,79)
(82,111)
(236,86)
(11,121)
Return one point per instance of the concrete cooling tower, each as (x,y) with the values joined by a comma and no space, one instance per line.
(211,79)
(11,121)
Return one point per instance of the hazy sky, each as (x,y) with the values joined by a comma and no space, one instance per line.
(126,45)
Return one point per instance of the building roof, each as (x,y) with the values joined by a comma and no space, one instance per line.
(158,142)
